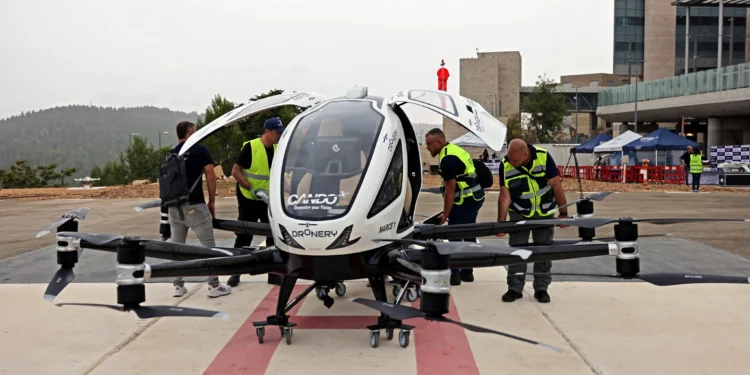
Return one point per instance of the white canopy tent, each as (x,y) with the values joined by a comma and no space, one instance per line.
(615,144)
(471,140)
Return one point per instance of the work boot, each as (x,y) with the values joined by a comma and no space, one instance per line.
(467,276)
(511,295)
(234,280)
(542,296)
(455,279)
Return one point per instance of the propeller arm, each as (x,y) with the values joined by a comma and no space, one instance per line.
(243,227)
(259,262)
(459,231)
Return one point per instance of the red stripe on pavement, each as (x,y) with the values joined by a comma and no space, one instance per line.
(443,348)
(440,348)
(243,354)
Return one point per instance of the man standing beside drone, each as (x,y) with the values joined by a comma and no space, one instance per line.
(530,189)
(463,196)
(252,172)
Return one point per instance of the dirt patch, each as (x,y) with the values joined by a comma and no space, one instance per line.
(226,188)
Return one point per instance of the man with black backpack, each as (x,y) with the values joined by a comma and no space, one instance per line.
(464,181)
(181,190)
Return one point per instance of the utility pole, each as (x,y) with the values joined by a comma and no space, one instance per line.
(731,40)
(687,41)
(578,139)
(721,30)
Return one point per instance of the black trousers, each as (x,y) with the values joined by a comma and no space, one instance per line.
(696,181)
(465,213)
(253,211)
(687,173)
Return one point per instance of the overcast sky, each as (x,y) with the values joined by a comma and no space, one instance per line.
(178,54)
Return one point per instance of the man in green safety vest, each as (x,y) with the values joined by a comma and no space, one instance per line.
(463,196)
(696,168)
(530,188)
(252,172)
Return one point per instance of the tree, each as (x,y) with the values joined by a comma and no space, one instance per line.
(223,145)
(519,128)
(113,173)
(141,160)
(547,109)
(22,175)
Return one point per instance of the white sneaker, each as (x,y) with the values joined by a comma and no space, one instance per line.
(179,290)
(220,290)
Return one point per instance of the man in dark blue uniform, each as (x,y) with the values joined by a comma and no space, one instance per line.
(463,196)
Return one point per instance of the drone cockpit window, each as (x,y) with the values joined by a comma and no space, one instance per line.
(327,158)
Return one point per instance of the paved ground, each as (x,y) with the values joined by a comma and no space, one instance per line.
(604,327)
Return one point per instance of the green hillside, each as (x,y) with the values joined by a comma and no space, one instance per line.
(82,136)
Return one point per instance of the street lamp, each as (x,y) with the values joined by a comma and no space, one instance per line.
(165,133)
(577,136)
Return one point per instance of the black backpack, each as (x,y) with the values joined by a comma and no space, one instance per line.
(173,184)
(484,174)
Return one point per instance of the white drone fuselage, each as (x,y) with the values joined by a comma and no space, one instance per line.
(348,171)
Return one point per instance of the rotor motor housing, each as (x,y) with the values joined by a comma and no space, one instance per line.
(436,275)
(131,258)
(627,262)
(585,209)
(67,247)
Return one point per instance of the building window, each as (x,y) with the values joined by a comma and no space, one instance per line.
(593,83)
(629,29)
(703,36)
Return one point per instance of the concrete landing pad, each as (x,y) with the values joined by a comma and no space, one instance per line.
(603,328)
(94,266)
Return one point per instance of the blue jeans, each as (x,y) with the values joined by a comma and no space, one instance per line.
(465,213)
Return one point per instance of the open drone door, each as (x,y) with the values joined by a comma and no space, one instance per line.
(299,99)
(468,113)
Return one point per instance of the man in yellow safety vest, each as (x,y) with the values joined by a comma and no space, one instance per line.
(252,172)
(696,168)
(530,188)
(463,196)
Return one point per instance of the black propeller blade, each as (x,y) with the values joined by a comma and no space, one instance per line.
(170,249)
(664,279)
(610,239)
(148,312)
(595,222)
(78,213)
(400,312)
(60,280)
(94,238)
(448,248)
(147,205)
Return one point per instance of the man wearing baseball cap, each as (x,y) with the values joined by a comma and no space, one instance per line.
(252,172)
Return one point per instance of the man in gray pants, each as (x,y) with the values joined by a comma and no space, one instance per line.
(530,189)
(198,215)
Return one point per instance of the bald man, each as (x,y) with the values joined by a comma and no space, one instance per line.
(530,188)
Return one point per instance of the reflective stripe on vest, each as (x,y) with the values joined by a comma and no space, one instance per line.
(258,173)
(536,201)
(696,163)
(463,190)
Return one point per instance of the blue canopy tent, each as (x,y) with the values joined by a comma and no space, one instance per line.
(588,146)
(660,140)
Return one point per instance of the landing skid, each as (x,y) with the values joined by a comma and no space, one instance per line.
(283,306)
(384,321)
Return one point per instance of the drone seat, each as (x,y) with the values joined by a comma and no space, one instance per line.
(332,128)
